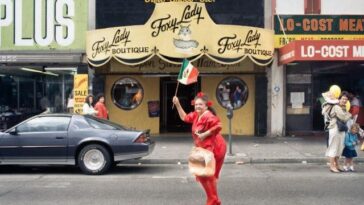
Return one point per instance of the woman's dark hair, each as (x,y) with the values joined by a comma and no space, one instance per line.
(100,95)
(205,98)
(87,100)
(344,93)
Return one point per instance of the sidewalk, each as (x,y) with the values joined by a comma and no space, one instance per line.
(174,149)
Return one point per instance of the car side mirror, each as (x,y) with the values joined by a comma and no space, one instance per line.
(13,131)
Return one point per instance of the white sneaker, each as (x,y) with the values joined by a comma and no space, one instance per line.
(352,169)
(346,169)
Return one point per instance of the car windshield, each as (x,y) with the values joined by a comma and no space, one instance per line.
(98,123)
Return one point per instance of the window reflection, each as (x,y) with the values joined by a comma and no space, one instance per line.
(232,91)
(45,124)
(24,94)
(127,93)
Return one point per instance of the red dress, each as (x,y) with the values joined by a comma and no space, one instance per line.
(102,111)
(215,142)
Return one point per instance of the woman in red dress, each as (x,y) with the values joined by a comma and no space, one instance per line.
(206,127)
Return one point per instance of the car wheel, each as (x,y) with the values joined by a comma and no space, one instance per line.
(94,159)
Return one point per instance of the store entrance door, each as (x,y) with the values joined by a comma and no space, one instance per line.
(169,119)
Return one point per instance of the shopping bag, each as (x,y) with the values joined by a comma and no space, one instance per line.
(201,162)
(341,126)
(362,147)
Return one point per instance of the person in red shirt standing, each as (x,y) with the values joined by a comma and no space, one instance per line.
(101,108)
(354,106)
(206,127)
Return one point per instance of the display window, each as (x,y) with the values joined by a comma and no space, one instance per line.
(25,92)
(127,93)
(232,92)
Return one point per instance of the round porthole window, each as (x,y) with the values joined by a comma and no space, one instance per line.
(127,93)
(232,91)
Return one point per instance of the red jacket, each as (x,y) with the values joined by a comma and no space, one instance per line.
(102,111)
(215,142)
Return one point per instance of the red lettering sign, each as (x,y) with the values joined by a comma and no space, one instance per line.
(330,50)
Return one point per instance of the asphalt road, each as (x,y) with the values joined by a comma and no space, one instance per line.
(172,184)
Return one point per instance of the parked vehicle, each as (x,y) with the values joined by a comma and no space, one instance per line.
(90,143)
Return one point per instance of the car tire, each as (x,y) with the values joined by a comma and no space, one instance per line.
(94,159)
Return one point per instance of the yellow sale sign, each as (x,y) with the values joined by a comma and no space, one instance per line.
(80,89)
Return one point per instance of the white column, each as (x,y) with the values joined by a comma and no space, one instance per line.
(91,26)
(276,99)
(276,103)
(91,14)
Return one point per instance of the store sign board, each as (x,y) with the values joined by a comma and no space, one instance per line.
(80,91)
(317,27)
(158,66)
(43,24)
(178,30)
(329,50)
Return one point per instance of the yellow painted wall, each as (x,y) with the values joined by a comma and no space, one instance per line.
(243,120)
(137,117)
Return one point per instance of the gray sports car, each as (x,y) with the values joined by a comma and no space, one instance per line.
(93,144)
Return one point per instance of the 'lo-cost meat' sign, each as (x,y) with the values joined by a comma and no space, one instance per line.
(329,51)
(322,51)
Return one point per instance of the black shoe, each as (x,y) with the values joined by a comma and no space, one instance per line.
(334,170)
(340,170)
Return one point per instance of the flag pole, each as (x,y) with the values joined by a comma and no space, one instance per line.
(175,93)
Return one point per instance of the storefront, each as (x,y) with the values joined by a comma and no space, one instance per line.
(312,67)
(317,51)
(42,47)
(140,64)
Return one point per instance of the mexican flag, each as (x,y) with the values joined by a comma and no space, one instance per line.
(188,73)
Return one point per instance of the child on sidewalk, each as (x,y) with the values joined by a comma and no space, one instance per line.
(351,140)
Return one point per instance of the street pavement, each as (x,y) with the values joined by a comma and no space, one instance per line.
(175,148)
(172,184)
(262,170)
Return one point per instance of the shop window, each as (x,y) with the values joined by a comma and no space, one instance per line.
(232,91)
(127,93)
(25,93)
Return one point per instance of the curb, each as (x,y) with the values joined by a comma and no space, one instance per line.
(316,160)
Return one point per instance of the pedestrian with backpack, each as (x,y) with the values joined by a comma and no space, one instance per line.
(336,116)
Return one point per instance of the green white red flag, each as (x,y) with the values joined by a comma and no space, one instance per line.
(188,73)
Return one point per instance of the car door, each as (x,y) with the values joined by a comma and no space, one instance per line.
(44,139)
(9,146)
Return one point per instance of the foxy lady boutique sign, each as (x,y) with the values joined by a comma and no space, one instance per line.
(42,24)
(178,30)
